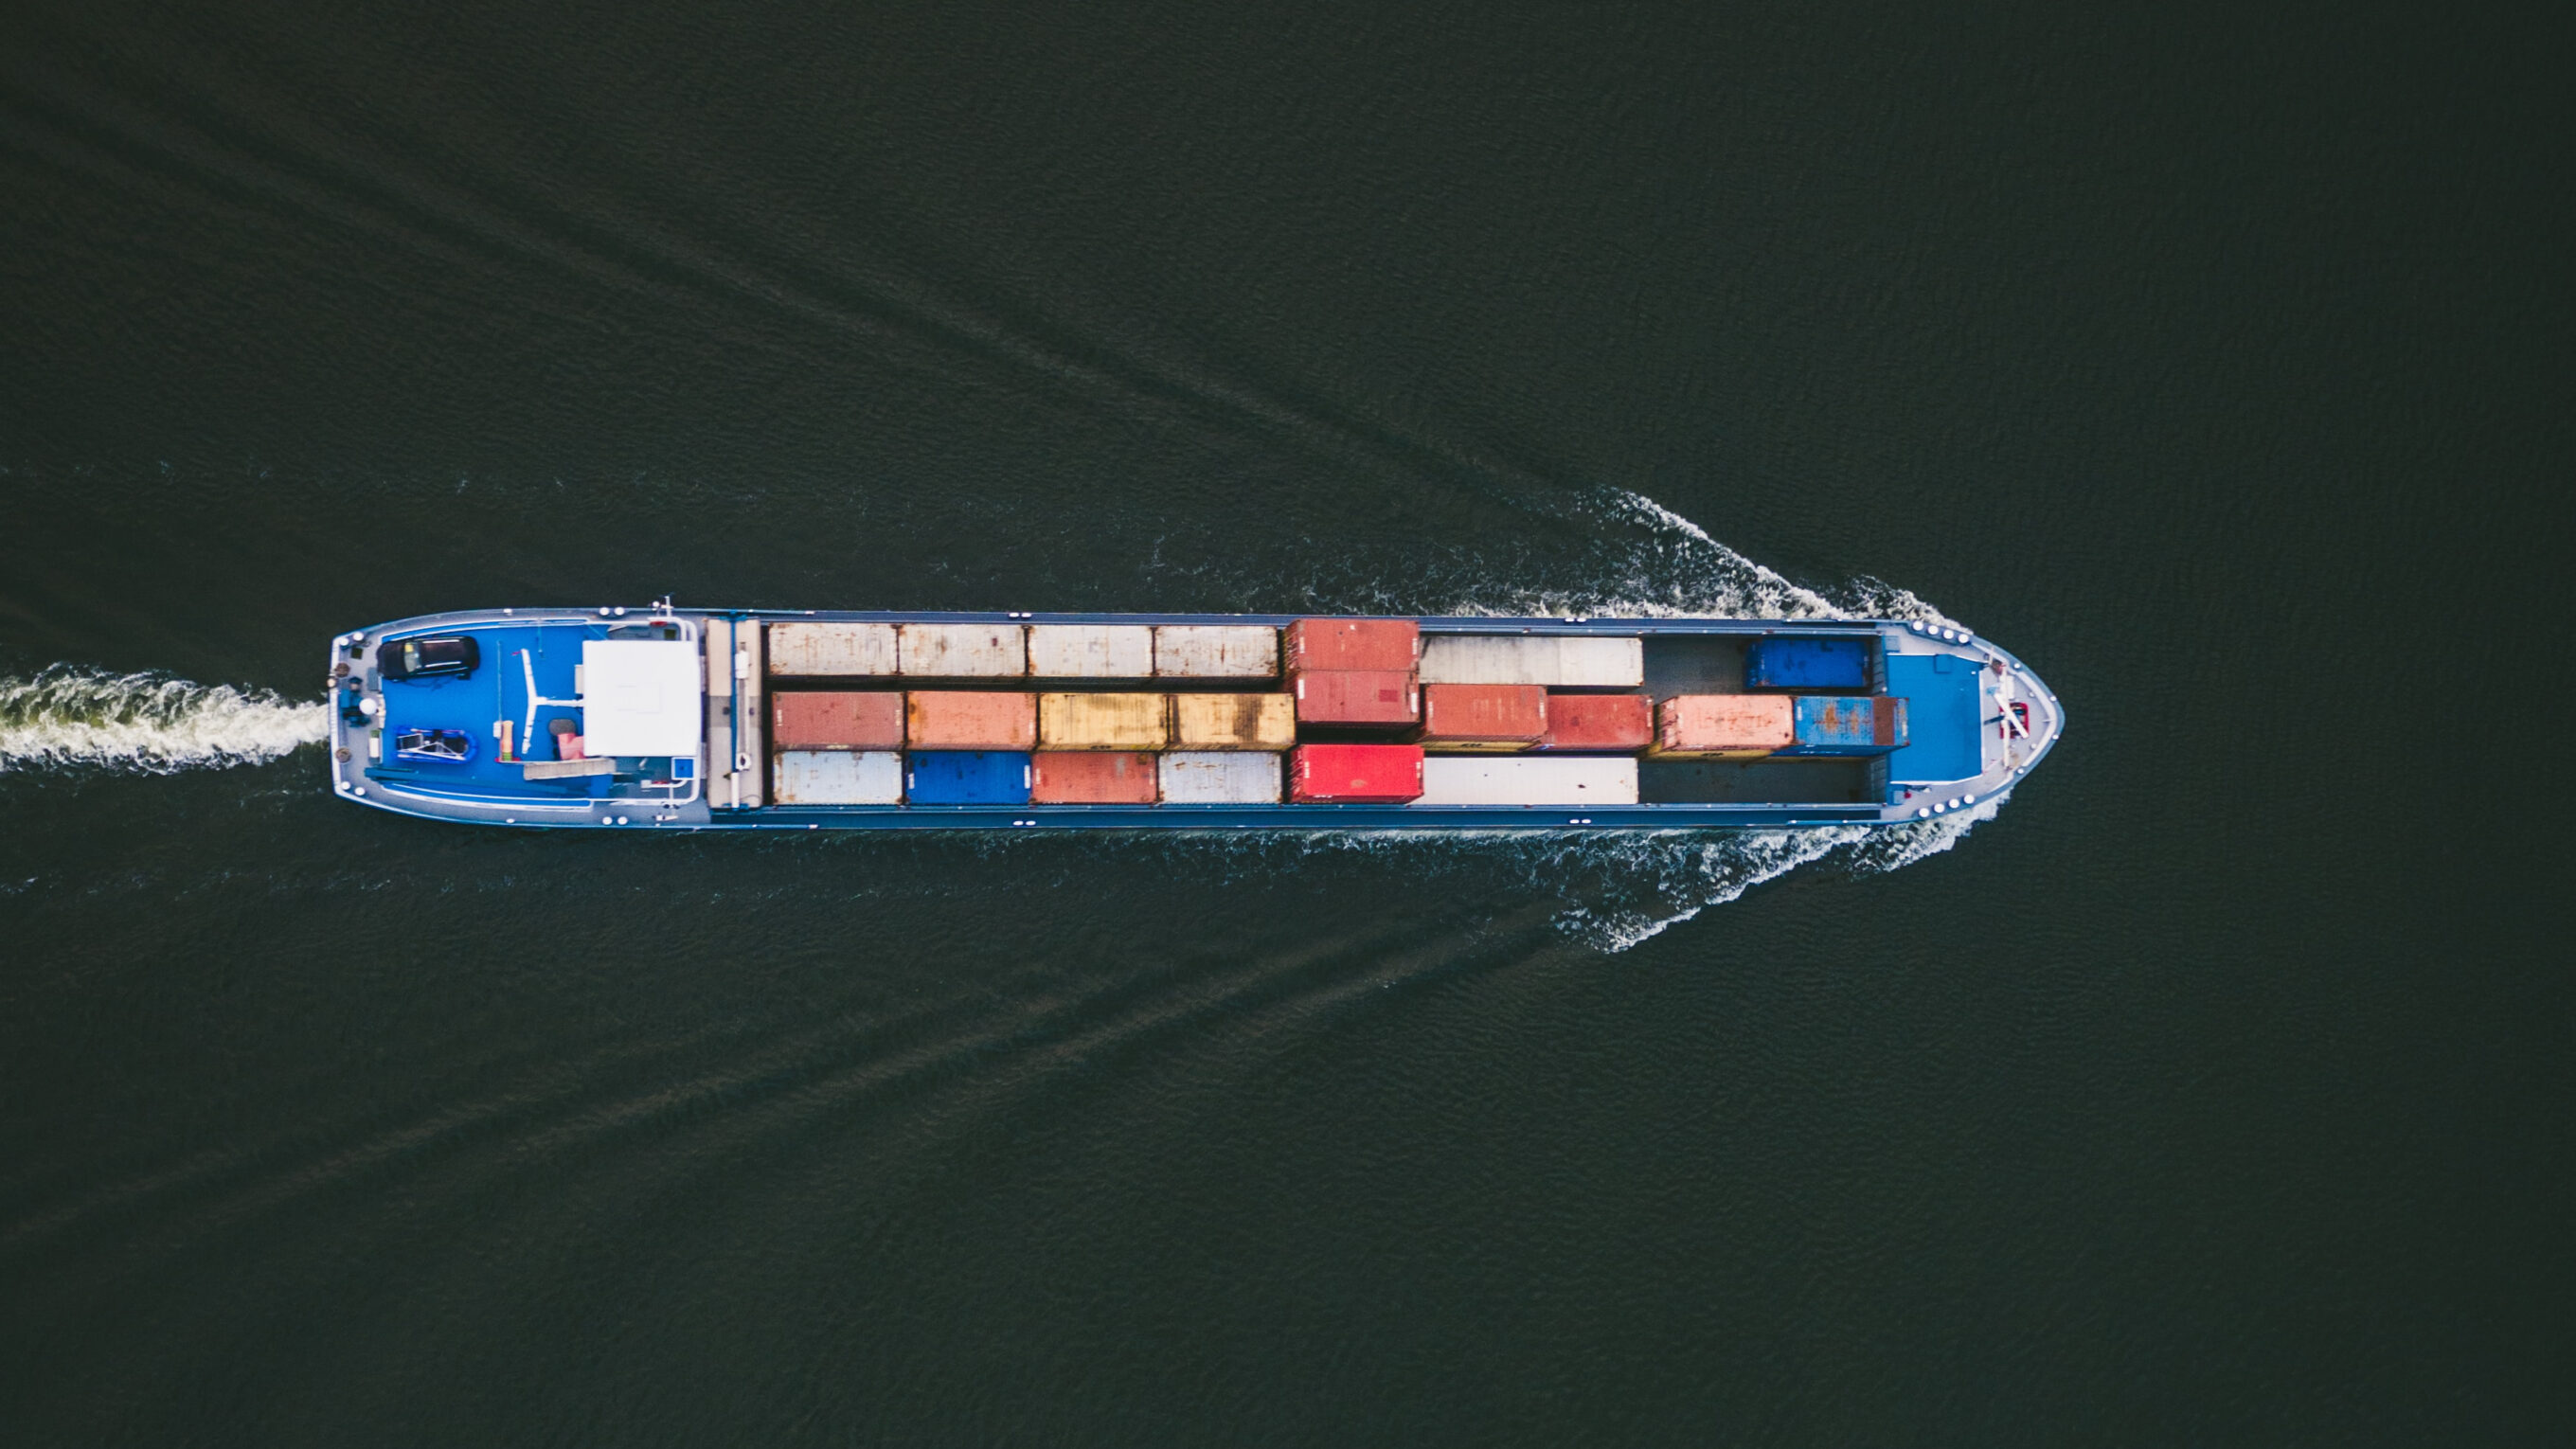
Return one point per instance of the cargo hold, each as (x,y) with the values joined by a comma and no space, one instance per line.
(1531,780)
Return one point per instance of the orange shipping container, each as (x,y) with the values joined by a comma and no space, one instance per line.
(1356,697)
(836,720)
(1728,726)
(1091,777)
(1354,644)
(1483,716)
(1606,722)
(962,719)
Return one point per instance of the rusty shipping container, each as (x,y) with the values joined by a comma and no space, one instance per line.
(1091,651)
(1482,717)
(1353,644)
(1354,774)
(1828,724)
(1356,697)
(1220,777)
(1233,722)
(1216,651)
(1598,722)
(828,650)
(963,651)
(963,719)
(1092,777)
(1723,726)
(856,719)
(1104,721)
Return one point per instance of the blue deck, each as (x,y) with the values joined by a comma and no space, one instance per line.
(496,691)
(1943,701)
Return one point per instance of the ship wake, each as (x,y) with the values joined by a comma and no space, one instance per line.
(69,718)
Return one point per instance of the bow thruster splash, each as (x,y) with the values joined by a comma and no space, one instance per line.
(693,719)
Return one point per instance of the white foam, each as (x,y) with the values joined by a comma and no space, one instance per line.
(74,718)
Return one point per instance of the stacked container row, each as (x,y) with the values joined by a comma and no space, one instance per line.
(1549,661)
(837,649)
(1355,672)
(1001,720)
(1752,726)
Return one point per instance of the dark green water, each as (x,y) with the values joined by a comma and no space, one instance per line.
(2214,1091)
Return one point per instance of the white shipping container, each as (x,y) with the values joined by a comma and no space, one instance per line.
(822,648)
(837,777)
(1220,777)
(1527,780)
(1556,660)
(1216,651)
(953,651)
(1091,651)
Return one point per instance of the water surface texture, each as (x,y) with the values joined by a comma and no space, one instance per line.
(2213,1089)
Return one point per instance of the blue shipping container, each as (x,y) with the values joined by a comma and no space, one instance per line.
(1807,664)
(1843,725)
(966,777)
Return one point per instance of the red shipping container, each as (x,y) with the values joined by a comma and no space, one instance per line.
(1598,722)
(1091,777)
(836,720)
(1484,716)
(1355,774)
(1356,697)
(1354,644)
(970,719)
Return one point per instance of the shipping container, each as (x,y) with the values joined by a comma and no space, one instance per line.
(1356,697)
(822,650)
(858,719)
(839,777)
(969,719)
(1104,721)
(1216,651)
(1353,644)
(1091,777)
(966,777)
(1833,724)
(1233,722)
(963,651)
(1554,661)
(1091,651)
(1475,717)
(1794,663)
(1728,726)
(1600,722)
(1532,780)
(1220,777)
(1355,774)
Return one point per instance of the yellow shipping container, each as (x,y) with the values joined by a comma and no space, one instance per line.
(1234,722)
(1103,721)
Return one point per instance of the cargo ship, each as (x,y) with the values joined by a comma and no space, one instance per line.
(664,718)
